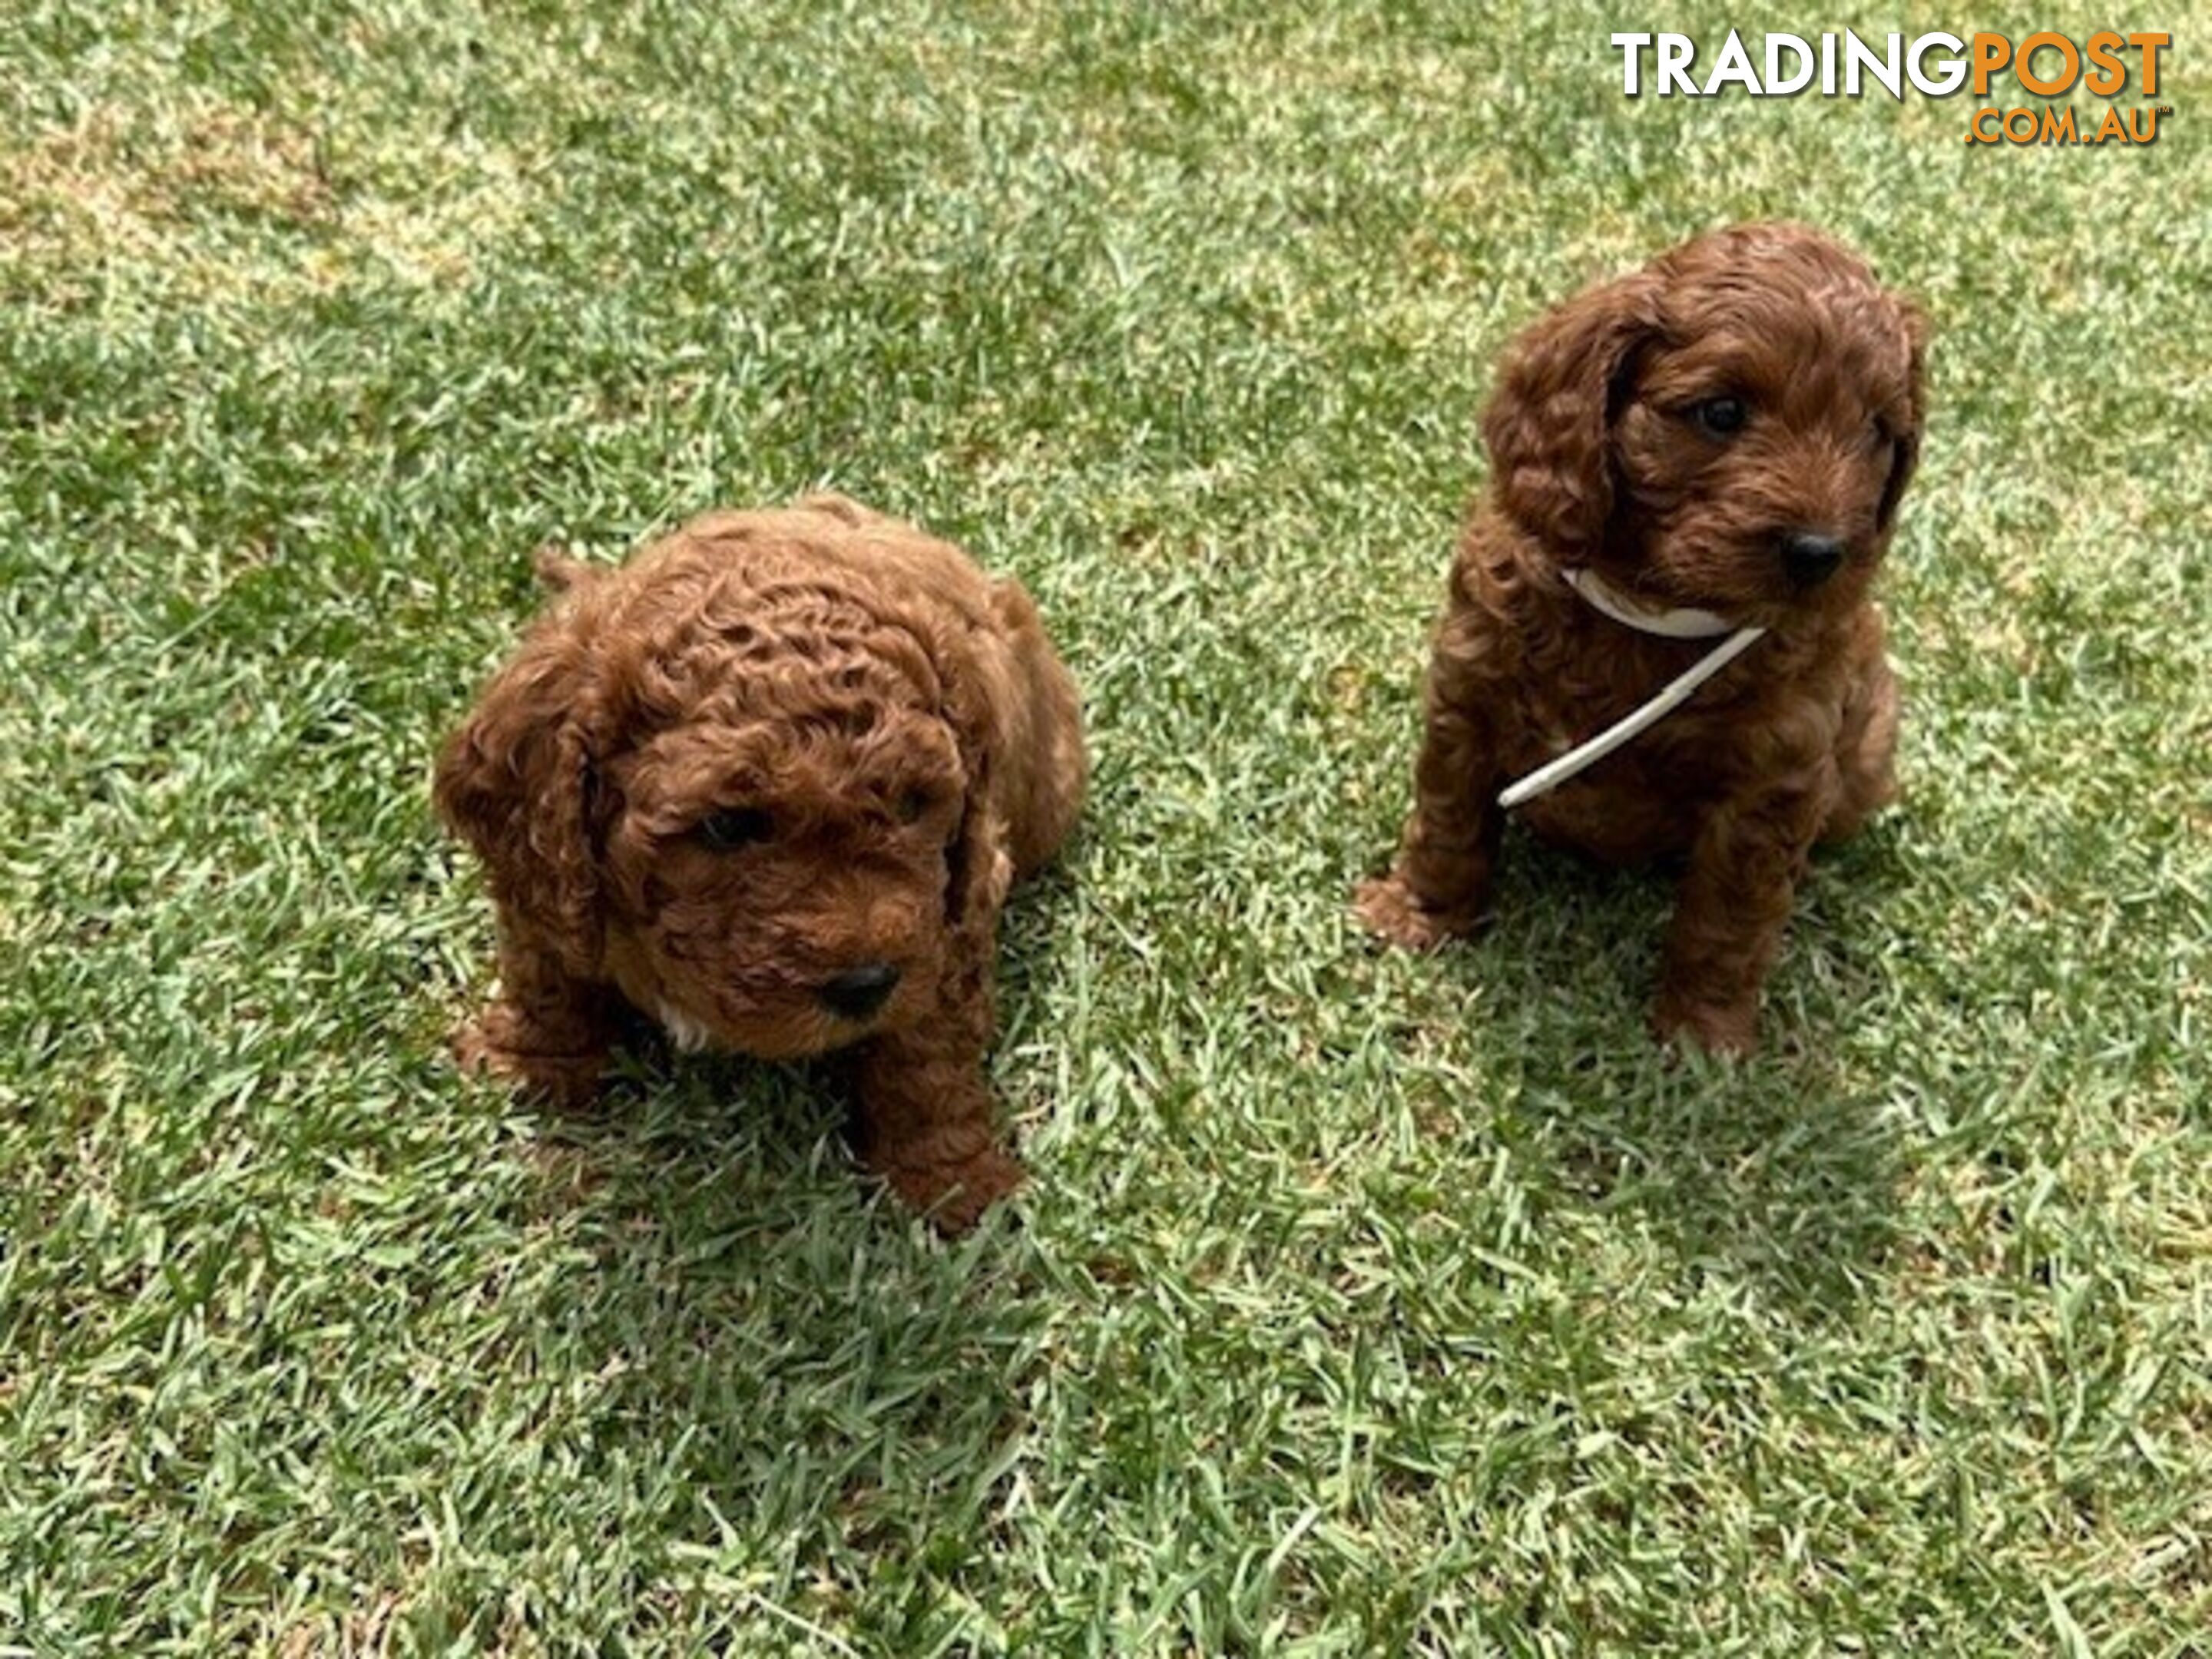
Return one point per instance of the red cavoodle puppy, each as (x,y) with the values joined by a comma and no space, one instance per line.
(1715,443)
(768,783)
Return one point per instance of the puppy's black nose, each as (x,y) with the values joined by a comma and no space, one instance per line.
(1809,557)
(858,992)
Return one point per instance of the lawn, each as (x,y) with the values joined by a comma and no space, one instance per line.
(1360,1304)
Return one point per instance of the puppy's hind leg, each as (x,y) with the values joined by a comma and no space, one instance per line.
(1866,751)
(1440,887)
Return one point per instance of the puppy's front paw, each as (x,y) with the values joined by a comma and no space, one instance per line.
(1386,907)
(1730,1029)
(495,1044)
(955,1195)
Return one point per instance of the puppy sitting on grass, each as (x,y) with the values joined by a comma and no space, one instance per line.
(1695,472)
(768,784)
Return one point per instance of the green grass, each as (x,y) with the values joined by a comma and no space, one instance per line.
(1360,1304)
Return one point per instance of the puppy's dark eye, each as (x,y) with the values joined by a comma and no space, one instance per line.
(911,806)
(1720,417)
(733,827)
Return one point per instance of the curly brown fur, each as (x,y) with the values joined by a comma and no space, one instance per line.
(1606,452)
(768,784)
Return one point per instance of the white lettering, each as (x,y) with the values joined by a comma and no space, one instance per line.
(1632,52)
(1857,56)
(1952,72)
(1734,66)
(1776,86)
(1675,56)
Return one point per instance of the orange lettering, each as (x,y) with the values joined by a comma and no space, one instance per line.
(2025,69)
(2150,45)
(2102,51)
(1992,53)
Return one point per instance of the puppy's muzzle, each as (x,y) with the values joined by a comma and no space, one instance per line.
(1809,558)
(858,992)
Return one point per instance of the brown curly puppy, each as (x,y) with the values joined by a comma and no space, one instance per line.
(768,783)
(1729,429)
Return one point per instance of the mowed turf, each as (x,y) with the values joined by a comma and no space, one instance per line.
(1360,1304)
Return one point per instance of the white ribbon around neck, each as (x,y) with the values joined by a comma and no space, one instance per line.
(1685,624)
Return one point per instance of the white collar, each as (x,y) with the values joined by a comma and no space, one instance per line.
(1602,597)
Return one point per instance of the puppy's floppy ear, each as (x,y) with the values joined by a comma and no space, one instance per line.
(1546,424)
(1914,322)
(517,783)
(980,870)
(559,571)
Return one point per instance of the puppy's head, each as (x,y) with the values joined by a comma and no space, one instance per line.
(1730,427)
(735,788)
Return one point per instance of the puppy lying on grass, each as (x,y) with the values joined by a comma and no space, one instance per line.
(768,783)
(1702,459)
